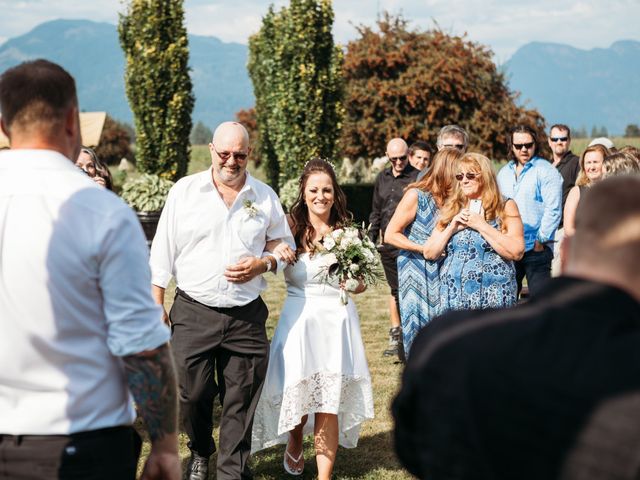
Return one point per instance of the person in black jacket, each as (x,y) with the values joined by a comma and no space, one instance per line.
(568,165)
(387,193)
(549,389)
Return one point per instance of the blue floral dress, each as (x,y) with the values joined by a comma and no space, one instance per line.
(418,279)
(474,276)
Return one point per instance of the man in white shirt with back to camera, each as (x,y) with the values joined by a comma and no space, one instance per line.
(212,238)
(79,328)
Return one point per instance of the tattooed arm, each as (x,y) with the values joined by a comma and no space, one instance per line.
(152,381)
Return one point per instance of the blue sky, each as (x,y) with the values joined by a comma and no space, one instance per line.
(503,25)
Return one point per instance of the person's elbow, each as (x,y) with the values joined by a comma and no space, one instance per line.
(517,252)
(391,238)
(431,253)
(514,250)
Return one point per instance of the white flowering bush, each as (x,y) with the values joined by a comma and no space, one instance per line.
(354,258)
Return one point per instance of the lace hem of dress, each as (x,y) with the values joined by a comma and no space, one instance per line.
(350,397)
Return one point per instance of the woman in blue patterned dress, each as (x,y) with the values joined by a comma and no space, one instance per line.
(409,228)
(481,235)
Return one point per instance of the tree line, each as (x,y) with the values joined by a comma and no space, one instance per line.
(316,98)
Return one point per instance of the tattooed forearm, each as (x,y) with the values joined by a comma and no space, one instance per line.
(152,382)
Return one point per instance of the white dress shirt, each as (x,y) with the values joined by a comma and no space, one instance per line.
(75,295)
(198,236)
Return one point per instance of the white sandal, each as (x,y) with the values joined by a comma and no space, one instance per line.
(288,469)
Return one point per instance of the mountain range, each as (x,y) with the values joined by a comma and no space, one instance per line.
(91,52)
(582,88)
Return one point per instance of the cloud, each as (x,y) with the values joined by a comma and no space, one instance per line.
(503,25)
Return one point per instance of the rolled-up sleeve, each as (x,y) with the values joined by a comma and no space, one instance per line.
(134,321)
(551,190)
(162,257)
(278,229)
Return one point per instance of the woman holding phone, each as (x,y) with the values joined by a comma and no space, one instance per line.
(480,234)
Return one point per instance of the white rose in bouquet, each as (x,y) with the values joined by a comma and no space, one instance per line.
(351,285)
(328,242)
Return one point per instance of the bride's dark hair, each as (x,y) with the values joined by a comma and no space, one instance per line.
(339,216)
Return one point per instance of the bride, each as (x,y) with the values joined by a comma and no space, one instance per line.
(318,380)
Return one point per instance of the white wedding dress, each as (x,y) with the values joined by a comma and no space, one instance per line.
(317,361)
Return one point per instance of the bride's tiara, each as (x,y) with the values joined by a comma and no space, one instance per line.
(333,167)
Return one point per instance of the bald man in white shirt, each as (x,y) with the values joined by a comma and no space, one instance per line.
(211,237)
(80,331)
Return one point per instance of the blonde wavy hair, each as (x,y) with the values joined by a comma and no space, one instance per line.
(582,179)
(492,200)
(439,179)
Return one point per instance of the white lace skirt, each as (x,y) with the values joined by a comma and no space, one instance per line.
(317,364)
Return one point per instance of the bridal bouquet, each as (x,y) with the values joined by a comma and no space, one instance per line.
(351,258)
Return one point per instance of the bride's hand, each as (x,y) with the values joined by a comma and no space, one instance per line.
(282,251)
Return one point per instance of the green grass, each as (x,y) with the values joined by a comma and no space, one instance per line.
(374,457)
(579,145)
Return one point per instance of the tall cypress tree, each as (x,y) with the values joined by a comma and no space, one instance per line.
(296,72)
(159,89)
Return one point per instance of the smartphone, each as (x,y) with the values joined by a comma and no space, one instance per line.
(475,206)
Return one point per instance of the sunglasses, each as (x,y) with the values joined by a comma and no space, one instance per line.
(470,176)
(559,139)
(396,159)
(227,155)
(459,146)
(518,146)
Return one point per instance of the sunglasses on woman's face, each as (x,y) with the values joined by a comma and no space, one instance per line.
(470,176)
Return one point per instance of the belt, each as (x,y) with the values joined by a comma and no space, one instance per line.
(226,310)
(101,432)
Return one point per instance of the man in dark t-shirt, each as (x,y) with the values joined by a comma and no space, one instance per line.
(387,193)
(546,390)
(568,165)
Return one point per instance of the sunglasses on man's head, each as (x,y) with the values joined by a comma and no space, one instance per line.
(469,175)
(227,155)
(459,146)
(518,146)
(559,139)
(396,159)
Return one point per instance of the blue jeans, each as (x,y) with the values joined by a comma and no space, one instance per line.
(536,266)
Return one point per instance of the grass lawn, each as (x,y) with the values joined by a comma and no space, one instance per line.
(374,457)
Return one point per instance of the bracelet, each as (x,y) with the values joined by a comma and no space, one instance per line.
(267,263)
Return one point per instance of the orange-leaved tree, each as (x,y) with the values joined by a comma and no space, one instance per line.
(409,83)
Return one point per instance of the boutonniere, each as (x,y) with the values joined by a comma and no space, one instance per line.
(251,208)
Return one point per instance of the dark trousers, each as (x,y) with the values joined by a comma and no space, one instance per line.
(106,454)
(536,266)
(220,352)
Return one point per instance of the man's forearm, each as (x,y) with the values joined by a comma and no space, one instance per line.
(158,294)
(152,381)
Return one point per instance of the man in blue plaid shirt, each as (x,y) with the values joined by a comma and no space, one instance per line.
(536,187)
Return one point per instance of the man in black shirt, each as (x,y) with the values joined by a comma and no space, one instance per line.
(567,163)
(387,192)
(568,166)
(546,390)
